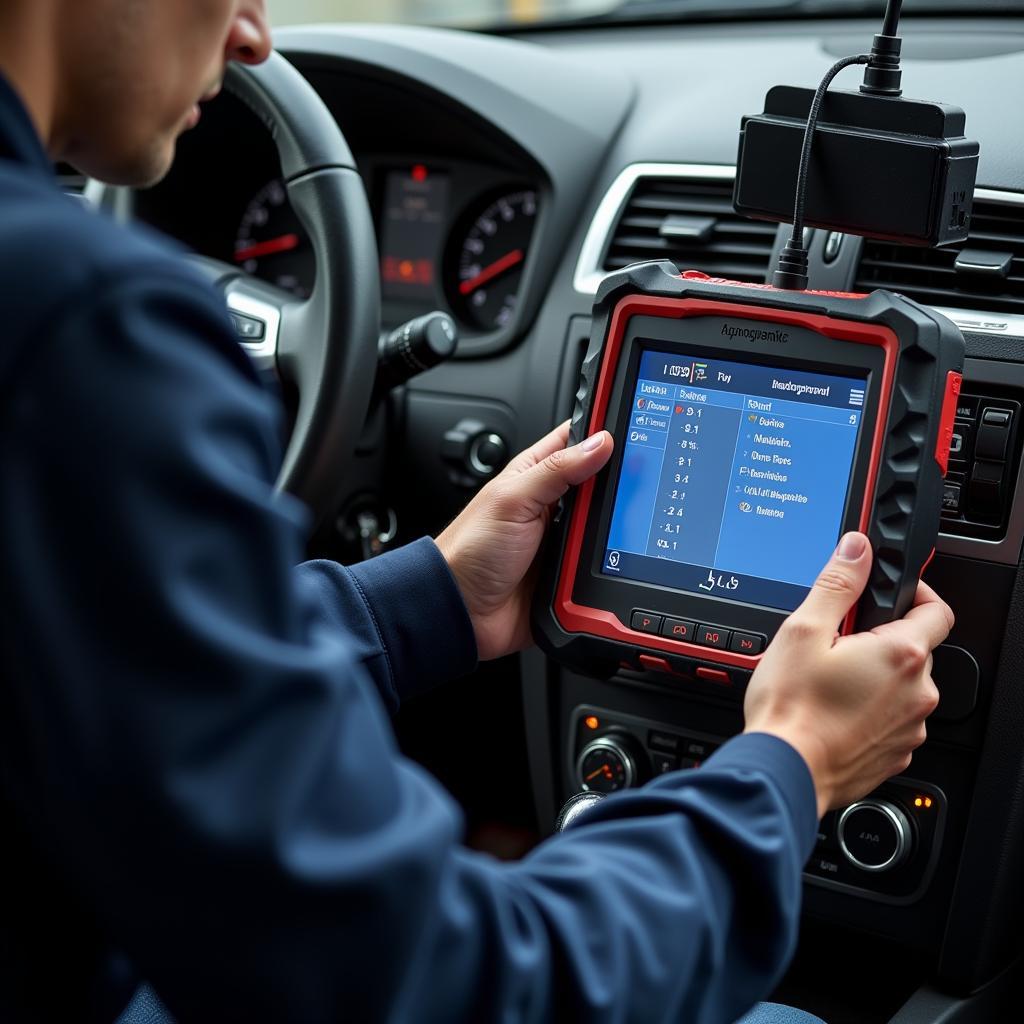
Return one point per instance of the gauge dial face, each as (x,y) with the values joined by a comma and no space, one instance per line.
(602,770)
(272,244)
(489,260)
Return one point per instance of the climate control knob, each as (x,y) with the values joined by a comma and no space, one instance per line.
(607,764)
(875,835)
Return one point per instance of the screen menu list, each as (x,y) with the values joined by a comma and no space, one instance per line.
(734,477)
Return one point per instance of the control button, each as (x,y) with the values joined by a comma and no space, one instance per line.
(664,742)
(874,835)
(986,490)
(959,445)
(689,762)
(713,636)
(248,328)
(747,643)
(651,663)
(993,435)
(951,498)
(487,454)
(714,675)
(997,417)
(664,763)
(646,622)
(607,764)
(678,629)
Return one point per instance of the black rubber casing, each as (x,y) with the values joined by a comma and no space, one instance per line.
(902,491)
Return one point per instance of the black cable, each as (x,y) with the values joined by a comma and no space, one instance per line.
(881,78)
(792,267)
(805,152)
(891,24)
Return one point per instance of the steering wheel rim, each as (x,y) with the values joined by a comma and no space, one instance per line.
(326,346)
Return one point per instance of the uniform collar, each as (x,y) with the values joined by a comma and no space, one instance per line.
(19,140)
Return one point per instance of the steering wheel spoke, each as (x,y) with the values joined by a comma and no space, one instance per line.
(323,348)
(256,308)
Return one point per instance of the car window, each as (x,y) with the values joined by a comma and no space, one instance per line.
(501,13)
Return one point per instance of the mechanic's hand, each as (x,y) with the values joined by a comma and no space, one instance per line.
(853,706)
(492,545)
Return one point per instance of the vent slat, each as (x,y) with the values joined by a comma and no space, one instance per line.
(733,271)
(681,204)
(736,247)
(929,275)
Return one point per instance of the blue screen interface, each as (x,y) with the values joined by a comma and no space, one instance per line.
(734,478)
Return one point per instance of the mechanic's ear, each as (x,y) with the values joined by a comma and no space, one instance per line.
(249,40)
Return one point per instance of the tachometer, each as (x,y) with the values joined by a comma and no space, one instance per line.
(488,260)
(272,244)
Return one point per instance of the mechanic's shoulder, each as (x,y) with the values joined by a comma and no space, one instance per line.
(59,256)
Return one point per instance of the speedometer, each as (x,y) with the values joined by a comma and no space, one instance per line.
(272,244)
(488,260)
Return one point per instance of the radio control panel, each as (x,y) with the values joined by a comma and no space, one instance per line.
(883,847)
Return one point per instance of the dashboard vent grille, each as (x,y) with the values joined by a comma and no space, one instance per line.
(985,273)
(692,223)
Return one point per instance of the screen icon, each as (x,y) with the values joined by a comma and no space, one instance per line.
(613,559)
(856,396)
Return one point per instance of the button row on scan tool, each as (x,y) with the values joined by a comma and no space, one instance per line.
(698,633)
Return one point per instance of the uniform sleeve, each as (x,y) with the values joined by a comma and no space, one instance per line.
(199,749)
(402,614)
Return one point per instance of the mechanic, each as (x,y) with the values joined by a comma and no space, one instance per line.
(200,785)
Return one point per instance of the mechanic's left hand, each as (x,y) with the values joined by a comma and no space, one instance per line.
(492,545)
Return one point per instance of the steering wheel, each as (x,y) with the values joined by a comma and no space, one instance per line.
(325,348)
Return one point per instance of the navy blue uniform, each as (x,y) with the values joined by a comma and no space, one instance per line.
(200,785)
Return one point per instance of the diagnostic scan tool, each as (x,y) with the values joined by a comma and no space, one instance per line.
(753,427)
(755,424)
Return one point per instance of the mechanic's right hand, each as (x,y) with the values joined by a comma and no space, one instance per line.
(853,706)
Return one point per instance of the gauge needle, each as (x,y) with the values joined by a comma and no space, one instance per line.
(283,243)
(509,260)
(603,768)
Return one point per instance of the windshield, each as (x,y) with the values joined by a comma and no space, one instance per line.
(510,13)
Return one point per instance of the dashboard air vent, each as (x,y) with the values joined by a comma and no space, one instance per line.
(691,222)
(985,273)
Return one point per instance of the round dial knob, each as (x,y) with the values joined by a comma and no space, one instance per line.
(875,835)
(606,765)
(487,453)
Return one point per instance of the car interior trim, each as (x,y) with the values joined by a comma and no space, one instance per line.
(589,274)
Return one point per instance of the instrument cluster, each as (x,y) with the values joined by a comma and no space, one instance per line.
(451,235)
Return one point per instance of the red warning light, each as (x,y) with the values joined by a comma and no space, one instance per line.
(591,721)
(419,172)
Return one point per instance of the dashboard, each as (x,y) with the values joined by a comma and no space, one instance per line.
(454,234)
(506,176)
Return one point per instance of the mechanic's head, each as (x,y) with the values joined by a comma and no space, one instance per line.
(113,83)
